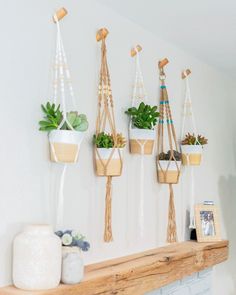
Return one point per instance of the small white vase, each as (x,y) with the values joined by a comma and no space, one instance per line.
(37,258)
(72,265)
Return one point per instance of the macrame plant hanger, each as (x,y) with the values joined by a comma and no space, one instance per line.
(188,113)
(139,95)
(165,174)
(62,87)
(106,121)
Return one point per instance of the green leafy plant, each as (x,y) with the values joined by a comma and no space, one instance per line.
(53,117)
(167,156)
(103,140)
(191,139)
(143,117)
(106,140)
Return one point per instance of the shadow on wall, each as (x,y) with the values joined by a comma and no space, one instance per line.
(227,191)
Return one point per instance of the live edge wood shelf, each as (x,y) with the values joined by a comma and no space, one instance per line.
(142,272)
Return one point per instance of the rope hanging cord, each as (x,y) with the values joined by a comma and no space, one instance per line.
(163,172)
(106,117)
(165,111)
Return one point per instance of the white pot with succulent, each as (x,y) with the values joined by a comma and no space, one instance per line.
(142,128)
(64,138)
(72,262)
(192,147)
(108,155)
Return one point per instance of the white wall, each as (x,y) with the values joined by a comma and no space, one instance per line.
(28,181)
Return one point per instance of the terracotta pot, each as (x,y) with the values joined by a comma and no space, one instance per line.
(168,171)
(106,167)
(141,141)
(191,154)
(65,145)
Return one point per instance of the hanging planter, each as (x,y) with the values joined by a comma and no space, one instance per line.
(168,168)
(192,147)
(65,129)
(142,133)
(108,156)
(65,135)
(168,164)
(143,117)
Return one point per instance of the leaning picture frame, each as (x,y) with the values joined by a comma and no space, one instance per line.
(207,223)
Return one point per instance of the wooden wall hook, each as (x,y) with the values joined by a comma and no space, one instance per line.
(186,73)
(133,52)
(163,63)
(60,14)
(102,34)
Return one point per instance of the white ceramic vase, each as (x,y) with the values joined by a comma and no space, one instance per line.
(37,258)
(72,265)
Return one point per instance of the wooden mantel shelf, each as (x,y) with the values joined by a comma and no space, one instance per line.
(142,272)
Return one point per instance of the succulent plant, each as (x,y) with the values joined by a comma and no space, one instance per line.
(52,117)
(167,156)
(103,140)
(71,238)
(191,139)
(120,140)
(77,121)
(143,117)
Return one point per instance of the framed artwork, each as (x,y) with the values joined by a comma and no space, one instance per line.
(207,223)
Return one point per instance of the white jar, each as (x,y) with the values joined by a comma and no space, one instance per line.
(72,265)
(37,258)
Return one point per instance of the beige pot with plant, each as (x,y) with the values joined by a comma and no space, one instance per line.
(108,154)
(192,147)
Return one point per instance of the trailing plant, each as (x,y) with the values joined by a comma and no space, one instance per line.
(106,140)
(191,139)
(71,238)
(143,117)
(53,117)
(167,156)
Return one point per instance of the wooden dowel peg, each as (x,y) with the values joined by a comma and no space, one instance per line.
(60,14)
(134,50)
(102,34)
(163,63)
(186,73)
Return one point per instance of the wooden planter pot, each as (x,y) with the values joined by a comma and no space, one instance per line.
(191,154)
(108,162)
(141,141)
(65,145)
(167,171)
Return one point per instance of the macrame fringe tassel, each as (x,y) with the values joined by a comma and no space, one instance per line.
(171,230)
(108,228)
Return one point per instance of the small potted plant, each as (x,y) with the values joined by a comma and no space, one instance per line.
(191,147)
(72,263)
(168,167)
(108,154)
(65,139)
(142,133)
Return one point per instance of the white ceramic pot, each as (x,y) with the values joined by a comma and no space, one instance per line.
(37,258)
(191,154)
(65,145)
(72,265)
(141,141)
(106,167)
